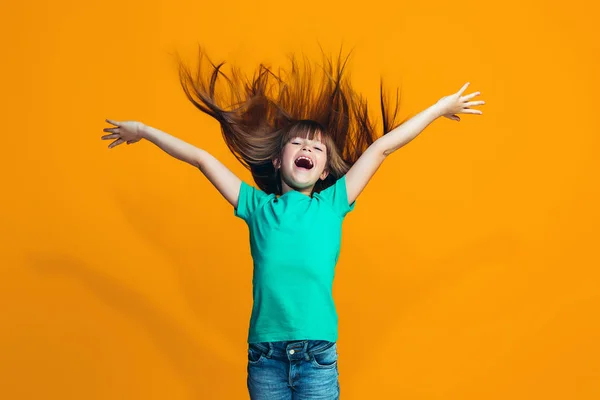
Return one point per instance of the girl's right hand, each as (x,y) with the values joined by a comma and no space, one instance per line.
(124,131)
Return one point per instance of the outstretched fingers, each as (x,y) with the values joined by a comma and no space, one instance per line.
(112,121)
(462,89)
(116,143)
(467,104)
(114,133)
(474,103)
(470,96)
(470,111)
(467,107)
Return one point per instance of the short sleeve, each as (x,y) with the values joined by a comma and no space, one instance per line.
(337,196)
(248,201)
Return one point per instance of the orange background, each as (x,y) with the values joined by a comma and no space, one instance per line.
(469,268)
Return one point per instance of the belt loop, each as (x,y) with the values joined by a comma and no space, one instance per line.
(306,351)
(270,352)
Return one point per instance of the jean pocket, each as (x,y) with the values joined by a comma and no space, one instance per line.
(326,358)
(255,354)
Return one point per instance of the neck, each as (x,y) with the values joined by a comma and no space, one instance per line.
(286,188)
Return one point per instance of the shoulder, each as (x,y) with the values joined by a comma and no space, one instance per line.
(250,199)
(337,197)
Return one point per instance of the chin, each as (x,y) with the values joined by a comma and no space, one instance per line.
(297,181)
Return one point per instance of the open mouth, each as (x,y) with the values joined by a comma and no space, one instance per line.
(304,162)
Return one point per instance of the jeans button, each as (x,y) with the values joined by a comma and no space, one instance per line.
(292,351)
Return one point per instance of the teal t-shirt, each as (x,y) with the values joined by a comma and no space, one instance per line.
(295,243)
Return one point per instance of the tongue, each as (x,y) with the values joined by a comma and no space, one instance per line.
(303,163)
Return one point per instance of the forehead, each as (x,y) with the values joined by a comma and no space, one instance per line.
(314,138)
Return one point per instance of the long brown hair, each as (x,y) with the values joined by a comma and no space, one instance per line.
(258,116)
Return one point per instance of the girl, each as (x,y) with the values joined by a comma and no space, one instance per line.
(311,151)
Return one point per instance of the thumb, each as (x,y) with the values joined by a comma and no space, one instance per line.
(453,117)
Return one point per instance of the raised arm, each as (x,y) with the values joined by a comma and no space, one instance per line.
(227,183)
(365,167)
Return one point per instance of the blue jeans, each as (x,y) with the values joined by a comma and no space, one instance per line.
(296,370)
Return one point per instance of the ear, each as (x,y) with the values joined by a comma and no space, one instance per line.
(276,163)
(324,174)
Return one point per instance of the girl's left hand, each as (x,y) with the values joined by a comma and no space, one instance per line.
(456,103)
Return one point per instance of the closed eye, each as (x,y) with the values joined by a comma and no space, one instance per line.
(297,142)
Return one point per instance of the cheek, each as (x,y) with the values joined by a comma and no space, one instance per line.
(286,155)
(323,161)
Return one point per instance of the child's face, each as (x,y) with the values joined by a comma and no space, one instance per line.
(303,163)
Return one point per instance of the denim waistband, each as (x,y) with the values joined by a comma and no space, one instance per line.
(293,350)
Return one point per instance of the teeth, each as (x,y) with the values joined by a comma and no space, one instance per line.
(306,158)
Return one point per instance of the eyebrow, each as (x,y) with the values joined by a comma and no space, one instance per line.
(310,140)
